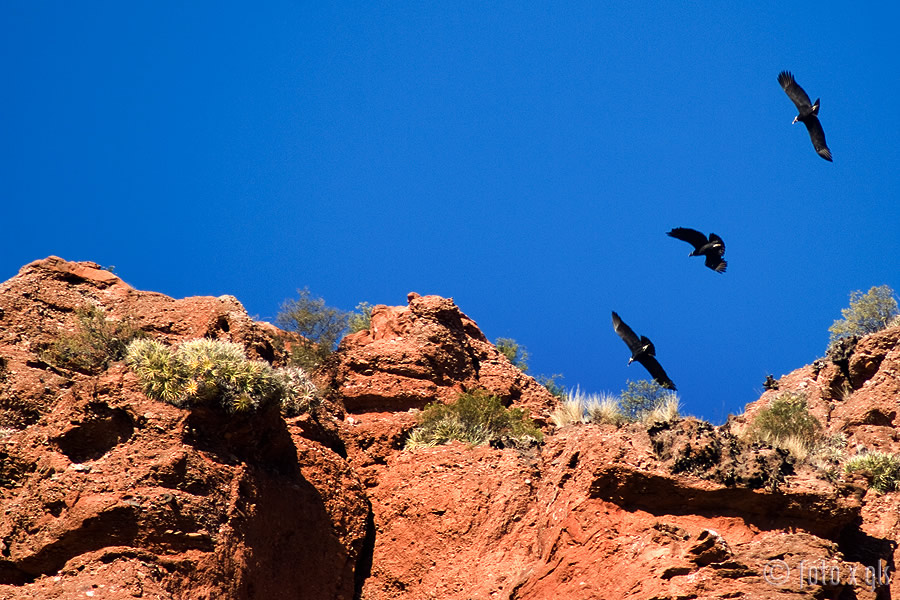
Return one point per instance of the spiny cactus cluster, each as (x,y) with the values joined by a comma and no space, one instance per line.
(205,371)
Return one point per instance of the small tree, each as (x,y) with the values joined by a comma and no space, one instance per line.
(642,397)
(516,354)
(320,328)
(867,313)
(361,319)
(551,382)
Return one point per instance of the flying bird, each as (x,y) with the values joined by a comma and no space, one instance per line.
(806,113)
(713,248)
(642,351)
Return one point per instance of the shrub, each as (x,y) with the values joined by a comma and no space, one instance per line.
(665,412)
(320,328)
(580,407)
(883,470)
(553,386)
(362,319)
(208,371)
(97,341)
(867,313)
(786,423)
(641,397)
(516,354)
(476,418)
(828,454)
(569,412)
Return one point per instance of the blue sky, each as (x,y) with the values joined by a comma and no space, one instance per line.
(524,158)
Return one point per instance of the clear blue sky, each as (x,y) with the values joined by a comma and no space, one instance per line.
(524,158)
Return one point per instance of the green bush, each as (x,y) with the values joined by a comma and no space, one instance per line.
(518,356)
(362,319)
(96,342)
(787,423)
(882,469)
(208,371)
(642,397)
(867,313)
(320,328)
(476,418)
(553,386)
(515,353)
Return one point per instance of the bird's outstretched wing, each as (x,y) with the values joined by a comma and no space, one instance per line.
(655,369)
(794,91)
(716,263)
(691,236)
(626,333)
(817,135)
(714,238)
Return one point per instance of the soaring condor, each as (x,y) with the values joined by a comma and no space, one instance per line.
(712,248)
(642,351)
(806,113)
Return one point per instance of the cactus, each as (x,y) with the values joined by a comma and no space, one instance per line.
(205,371)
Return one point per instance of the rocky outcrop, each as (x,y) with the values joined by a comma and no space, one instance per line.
(854,394)
(427,351)
(105,492)
(424,352)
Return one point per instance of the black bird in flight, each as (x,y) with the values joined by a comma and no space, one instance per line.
(806,113)
(713,248)
(642,350)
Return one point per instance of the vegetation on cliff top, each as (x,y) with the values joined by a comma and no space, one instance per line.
(475,418)
(206,371)
(644,401)
(868,313)
(882,470)
(787,423)
(96,342)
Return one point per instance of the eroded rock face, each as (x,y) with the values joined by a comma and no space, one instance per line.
(105,492)
(855,394)
(424,352)
(427,351)
(595,514)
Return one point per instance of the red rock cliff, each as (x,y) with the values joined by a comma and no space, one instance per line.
(106,493)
